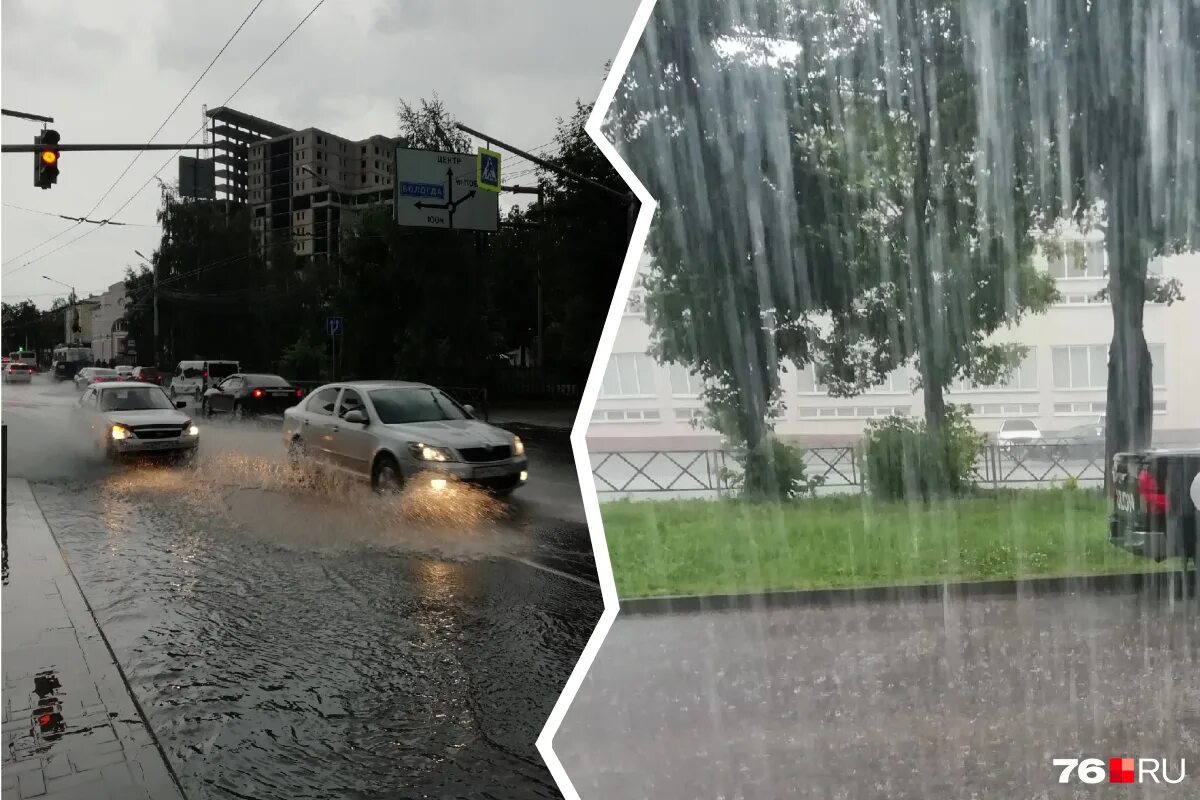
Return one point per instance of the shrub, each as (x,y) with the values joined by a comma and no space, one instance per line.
(755,479)
(903,459)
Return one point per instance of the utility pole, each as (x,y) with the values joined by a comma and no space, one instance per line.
(154,293)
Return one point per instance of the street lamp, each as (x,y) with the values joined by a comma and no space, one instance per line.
(74,309)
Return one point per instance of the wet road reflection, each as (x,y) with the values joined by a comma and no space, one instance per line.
(291,638)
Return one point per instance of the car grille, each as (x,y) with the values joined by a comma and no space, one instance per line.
(490,453)
(158,431)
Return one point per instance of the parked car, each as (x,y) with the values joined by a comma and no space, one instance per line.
(90,375)
(245,394)
(127,418)
(1018,433)
(18,372)
(1083,441)
(195,377)
(148,375)
(126,372)
(392,431)
(1152,508)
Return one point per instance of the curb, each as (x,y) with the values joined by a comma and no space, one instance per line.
(145,719)
(1113,583)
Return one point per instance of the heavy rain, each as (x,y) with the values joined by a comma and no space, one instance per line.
(898,444)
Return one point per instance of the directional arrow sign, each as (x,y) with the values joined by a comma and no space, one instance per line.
(334,326)
(439,190)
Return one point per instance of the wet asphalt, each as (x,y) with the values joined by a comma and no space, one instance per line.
(967,698)
(291,638)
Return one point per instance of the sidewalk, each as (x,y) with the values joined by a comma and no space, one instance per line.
(554,418)
(71,727)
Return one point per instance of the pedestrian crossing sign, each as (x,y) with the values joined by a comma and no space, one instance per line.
(487,170)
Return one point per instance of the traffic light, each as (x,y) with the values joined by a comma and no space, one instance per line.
(45,164)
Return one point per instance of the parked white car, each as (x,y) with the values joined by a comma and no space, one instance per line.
(194,378)
(124,418)
(1017,432)
(391,431)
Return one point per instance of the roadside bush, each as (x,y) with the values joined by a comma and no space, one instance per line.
(788,481)
(904,460)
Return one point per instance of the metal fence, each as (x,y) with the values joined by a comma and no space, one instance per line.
(713,473)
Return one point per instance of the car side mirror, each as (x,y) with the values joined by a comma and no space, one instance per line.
(469,409)
(356,416)
(181,403)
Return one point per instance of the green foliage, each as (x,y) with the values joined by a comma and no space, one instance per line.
(775,470)
(418,304)
(905,459)
(303,360)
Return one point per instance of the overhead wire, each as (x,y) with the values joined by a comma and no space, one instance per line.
(199,130)
(139,154)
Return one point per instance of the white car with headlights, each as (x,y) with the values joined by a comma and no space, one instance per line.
(392,432)
(130,418)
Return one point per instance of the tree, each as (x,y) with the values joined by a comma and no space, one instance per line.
(430,126)
(1110,92)
(820,204)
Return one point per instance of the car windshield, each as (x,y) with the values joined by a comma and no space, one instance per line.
(217,369)
(134,398)
(103,373)
(1019,425)
(267,381)
(399,406)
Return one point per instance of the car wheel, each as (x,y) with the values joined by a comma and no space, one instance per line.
(386,477)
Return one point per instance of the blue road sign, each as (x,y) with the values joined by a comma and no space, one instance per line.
(334,326)
(487,170)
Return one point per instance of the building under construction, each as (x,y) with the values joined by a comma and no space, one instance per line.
(301,186)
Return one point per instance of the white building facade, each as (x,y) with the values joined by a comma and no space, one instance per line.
(1061,384)
(109,335)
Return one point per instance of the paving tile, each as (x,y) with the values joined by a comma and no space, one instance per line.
(48,625)
(32,784)
(58,765)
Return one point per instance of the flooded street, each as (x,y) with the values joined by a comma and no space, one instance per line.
(298,639)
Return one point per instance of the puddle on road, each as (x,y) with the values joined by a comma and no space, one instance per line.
(320,510)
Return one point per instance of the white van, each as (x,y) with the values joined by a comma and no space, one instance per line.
(195,377)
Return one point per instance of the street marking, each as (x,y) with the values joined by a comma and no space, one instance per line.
(552,571)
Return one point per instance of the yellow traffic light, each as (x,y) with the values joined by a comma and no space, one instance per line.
(49,157)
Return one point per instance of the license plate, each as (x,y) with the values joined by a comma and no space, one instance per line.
(158,445)
(1125,502)
(491,472)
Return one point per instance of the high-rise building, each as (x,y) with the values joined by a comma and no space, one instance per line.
(302,186)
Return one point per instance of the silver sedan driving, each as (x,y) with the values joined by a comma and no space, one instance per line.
(126,418)
(391,432)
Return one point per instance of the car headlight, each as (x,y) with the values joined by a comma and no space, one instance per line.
(428,452)
(190,429)
(120,432)
(518,446)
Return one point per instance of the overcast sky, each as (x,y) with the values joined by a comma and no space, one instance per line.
(111,71)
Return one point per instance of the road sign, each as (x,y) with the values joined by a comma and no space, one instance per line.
(334,326)
(439,190)
(487,170)
(197,178)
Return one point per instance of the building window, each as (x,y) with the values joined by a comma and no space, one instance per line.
(1022,379)
(807,380)
(627,415)
(855,412)
(684,383)
(898,382)
(1086,366)
(1079,260)
(1080,366)
(1085,408)
(689,415)
(629,375)
(376,149)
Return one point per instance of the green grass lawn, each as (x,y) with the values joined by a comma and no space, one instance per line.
(704,547)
